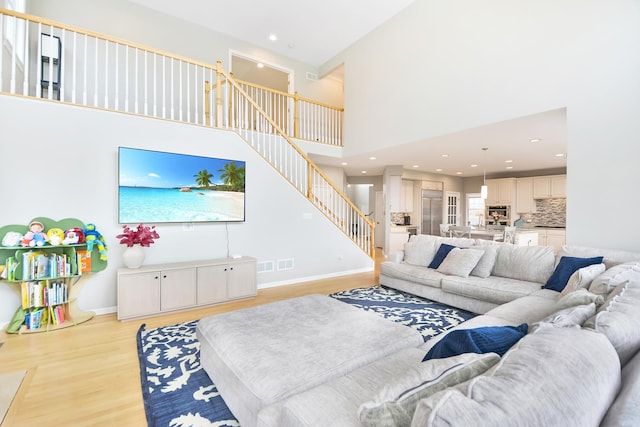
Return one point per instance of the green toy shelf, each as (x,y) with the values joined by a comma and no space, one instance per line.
(48,278)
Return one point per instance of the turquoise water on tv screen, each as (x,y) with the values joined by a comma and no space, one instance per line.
(150,205)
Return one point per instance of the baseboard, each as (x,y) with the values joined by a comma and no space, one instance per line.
(312,278)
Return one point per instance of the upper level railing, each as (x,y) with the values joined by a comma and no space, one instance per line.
(48,60)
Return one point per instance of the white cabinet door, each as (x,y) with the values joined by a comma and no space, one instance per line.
(501,191)
(177,288)
(241,280)
(524,196)
(554,186)
(406,200)
(559,186)
(138,294)
(211,284)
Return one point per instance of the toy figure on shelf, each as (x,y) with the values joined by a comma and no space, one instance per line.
(12,238)
(55,236)
(93,236)
(35,236)
(73,236)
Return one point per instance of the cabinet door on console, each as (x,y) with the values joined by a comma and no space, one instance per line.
(178,288)
(138,294)
(212,284)
(241,280)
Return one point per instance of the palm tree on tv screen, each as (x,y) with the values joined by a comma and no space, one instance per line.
(203,178)
(233,176)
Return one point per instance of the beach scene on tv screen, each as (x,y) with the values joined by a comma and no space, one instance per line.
(158,186)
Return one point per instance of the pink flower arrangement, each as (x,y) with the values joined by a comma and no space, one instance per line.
(143,235)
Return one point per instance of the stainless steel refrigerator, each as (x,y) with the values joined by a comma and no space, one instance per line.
(431,212)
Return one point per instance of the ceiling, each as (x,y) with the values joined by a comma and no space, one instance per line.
(510,150)
(311,32)
(314,32)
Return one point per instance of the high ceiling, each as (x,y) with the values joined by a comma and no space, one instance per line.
(314,32)
(311,32)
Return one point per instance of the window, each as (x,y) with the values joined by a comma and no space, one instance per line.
(453,206)
(475,210)
(14,29)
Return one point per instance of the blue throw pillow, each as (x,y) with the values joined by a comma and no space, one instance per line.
(442,253)
(488,339)
(566,267)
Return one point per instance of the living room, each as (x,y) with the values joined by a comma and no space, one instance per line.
(546,62)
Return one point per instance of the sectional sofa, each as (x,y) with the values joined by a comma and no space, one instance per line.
(556,344)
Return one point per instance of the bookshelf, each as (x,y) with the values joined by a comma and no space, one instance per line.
(48,279)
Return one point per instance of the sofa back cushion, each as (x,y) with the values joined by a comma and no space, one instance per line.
(606,282)
(611,256)
(528,263)
(421,248)
(553,376)
(619,317)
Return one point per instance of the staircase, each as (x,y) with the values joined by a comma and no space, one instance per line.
(51,61)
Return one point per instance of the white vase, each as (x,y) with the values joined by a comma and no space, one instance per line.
(133,256)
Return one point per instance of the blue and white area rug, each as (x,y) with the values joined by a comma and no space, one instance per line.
(177,392)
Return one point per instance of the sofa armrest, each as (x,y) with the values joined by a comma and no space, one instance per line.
(396,256)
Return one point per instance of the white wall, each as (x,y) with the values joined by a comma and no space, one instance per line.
(60,161)
(445,66)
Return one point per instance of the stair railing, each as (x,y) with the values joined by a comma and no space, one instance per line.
(48,60)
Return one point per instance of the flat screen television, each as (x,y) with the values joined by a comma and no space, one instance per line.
(162,187)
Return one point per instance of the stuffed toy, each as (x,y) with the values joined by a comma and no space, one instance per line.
(55,236)
(35,236)
(93,237)
(73,236)
(12,238)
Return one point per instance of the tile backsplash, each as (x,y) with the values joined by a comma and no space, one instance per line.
(550,212)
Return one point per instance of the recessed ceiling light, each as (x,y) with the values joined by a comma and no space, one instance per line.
(560,155)
(372,158)
(273,37)
(344,163)
(445,155)
(535,140)
(474,166)
(260,65)
(363,171)
(508,161)
(438,170)
(415,166)
(509,167)
(458,173)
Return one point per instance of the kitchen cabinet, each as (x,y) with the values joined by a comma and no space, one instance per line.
(501,192)
(552,237)
(553,186)
(525,203)
(526,238)
(162,288)
(406,196)
(398,236)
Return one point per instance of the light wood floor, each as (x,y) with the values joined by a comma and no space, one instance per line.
(89,375)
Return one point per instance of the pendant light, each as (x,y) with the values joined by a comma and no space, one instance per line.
(484,190)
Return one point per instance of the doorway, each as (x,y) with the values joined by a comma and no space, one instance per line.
(270,76)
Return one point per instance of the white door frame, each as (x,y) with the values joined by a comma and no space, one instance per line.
(455,195)
(288,71)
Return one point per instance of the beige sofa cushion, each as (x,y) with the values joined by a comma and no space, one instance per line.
(583,278)
(527,263)
(572,376)
(460,262)
(619,317)
(613,277)
(497,290)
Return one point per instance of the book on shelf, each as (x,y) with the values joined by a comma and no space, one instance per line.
(84,261)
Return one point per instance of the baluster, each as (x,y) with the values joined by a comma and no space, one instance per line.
(25,79)
(126,78)
(164,86)
(146,84)
(188,93)
(95,73)
(85,81)
(180,88)
(2,17)
(12,81)
(74,67)
(155,85)
(117,72)
(106,73)
(135,83)
(172,82)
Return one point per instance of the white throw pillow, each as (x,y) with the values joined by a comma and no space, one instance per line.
(396,402)
(486,263)
(583,277)
(570,317)
(612,278)
(460,262)
(579,297)
(619,317)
